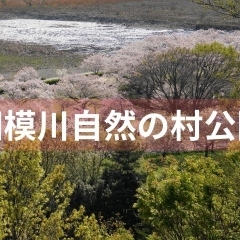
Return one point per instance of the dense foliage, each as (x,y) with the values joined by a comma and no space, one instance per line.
(53,195)
(197,198)
(73,194)
(36,205)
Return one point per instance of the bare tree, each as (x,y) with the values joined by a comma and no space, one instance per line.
(201,73)
(226,7)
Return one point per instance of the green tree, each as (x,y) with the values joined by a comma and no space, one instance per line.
(226,7)
(195,199)
(120,182)
(31,201)
(3,204)
(34,206)
(200,73)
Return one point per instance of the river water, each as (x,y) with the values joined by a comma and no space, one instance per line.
(81,36)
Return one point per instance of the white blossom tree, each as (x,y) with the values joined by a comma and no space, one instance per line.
(78,86)
(26,84)
(94,63)
(25,74)
(74,86)
(123,61)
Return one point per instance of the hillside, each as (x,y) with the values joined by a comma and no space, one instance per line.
(166,13)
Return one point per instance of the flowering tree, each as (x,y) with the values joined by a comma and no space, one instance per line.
(25,74)
(123,61)
(94,63)
(78,86)
(26,84)
(200,73)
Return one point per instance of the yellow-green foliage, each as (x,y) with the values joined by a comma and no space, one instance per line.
(195,199)
(34,206)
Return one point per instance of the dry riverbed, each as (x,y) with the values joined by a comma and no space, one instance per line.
(169,14)
(165,13)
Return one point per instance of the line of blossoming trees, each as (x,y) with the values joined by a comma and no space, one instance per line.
(42,190)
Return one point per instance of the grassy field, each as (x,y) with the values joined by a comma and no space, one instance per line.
(13,63)
(15,56)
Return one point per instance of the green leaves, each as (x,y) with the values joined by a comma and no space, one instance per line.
(192,200)
(226,7)
(34,206)
(216,48)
